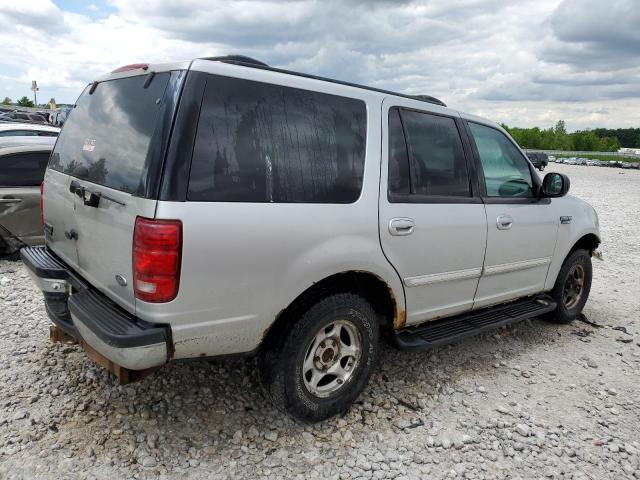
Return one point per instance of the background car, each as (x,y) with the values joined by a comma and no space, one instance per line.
(24,117)
(16,129)
(16,141)
(539,159)
(21,173)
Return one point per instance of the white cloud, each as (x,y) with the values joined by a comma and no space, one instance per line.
(524,63)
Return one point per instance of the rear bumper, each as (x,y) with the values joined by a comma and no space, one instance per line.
(91,317)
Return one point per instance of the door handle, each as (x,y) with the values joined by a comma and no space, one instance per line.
(401,226)
(10,200)
(504,222)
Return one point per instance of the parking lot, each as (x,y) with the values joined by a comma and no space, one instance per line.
(532,400)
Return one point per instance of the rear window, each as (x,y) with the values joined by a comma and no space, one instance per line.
(106,139)
(23,169)
(259,142)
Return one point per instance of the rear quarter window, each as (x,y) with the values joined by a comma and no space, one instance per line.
(258,142)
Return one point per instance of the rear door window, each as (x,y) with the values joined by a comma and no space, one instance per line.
(399,176)
(259,142)
(107,138)
(426,157)
(23,169)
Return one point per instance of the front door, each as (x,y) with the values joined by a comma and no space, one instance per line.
(432,225)
(521,229)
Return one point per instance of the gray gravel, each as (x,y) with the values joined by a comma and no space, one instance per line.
(531,401)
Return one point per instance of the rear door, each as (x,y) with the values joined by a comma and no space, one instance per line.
(432,223)
(20,178)
(521,229)
(103,174)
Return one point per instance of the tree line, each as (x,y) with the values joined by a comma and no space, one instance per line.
(557,138)
(23,102)
(628,137)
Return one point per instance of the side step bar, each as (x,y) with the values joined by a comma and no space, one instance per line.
(449,330)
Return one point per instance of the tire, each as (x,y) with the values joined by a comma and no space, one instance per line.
(570,306)
(339,333)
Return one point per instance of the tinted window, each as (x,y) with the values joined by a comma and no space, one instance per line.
(106,139)
(436,153)
(399,176)
(258,142)
(23,169)
(506,171)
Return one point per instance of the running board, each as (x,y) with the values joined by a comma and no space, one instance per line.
(449,330)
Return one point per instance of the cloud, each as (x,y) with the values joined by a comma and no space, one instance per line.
(39,15)
(595,35)
(521,63)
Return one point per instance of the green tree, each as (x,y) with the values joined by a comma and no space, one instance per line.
(557,138)
(561,128)
(7,101)
(25,102)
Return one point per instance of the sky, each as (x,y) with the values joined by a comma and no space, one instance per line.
(525,63)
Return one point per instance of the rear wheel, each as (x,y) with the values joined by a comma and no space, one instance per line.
(325,360)
(572,287)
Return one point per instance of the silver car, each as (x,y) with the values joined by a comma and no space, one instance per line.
(21,173)
(222,207)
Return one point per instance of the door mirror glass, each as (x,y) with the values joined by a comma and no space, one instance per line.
(555,185)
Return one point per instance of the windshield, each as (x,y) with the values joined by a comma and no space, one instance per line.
(106,139)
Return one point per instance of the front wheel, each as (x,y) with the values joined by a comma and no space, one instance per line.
(325,360)
(572,287)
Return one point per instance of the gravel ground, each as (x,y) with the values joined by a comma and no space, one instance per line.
(532,401)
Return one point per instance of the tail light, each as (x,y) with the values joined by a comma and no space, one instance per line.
(157,254)
(42,204)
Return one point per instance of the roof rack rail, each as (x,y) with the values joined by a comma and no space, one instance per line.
(253,63)
(238,60)
(426,98)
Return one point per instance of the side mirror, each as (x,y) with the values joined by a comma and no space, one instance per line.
(554,185)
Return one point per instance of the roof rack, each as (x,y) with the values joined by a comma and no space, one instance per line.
(253,63)
(238,60)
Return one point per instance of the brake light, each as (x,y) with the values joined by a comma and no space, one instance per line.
(42,204)
(157,254)
(133,66)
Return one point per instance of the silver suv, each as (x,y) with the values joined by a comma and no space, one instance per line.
(223,207)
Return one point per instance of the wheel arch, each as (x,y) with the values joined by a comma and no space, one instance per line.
(368,285)
(588,240)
